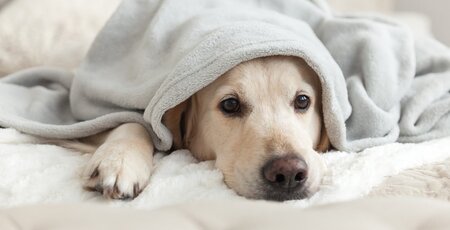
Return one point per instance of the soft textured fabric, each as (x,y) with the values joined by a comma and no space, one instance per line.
(431,180)
(370,214)
(379,84)
(32,172)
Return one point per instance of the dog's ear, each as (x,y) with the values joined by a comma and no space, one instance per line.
(324,143)
(179,120)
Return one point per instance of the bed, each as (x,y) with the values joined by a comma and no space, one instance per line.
(34,173)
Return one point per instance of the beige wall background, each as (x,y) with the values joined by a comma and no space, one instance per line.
(438,12)
(423,16)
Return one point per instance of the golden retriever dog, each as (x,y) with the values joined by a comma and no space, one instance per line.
(261,122)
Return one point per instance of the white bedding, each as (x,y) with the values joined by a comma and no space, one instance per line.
(33,173)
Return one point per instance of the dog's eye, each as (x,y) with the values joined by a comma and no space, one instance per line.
(302,103)
(230,106)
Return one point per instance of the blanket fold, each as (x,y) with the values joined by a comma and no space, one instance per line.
(380,85)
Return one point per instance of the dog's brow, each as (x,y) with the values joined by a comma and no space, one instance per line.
(306,88)
(229,90)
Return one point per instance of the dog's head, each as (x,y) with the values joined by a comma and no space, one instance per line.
(262,123)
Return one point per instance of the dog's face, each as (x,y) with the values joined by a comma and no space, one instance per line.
(262,123)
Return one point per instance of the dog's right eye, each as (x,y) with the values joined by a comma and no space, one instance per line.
(302,103)
(230,106)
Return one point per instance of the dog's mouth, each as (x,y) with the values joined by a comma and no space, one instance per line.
(287,195)
(277,193)
(264,191)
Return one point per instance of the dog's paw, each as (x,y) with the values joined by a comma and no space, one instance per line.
(119,170)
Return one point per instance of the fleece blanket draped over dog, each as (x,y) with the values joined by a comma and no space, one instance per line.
(379,84)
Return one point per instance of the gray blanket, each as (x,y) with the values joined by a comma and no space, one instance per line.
(379,84)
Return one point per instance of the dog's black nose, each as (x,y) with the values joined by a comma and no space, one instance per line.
(286,172)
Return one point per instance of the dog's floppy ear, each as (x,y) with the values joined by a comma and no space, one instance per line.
(179,120)
(324,143)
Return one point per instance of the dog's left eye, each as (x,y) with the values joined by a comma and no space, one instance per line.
(230,106)
(302,103)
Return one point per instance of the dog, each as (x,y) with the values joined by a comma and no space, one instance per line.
(261,122)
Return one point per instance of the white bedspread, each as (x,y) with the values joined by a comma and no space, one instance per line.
(37,173)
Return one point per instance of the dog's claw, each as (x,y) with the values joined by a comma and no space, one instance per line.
(136,189)
(98,188)
(113,192)
(127,197)
(95,173)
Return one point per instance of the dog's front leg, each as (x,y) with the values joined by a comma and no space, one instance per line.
(122,165)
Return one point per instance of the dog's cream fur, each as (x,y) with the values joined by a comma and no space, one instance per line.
(122,163)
